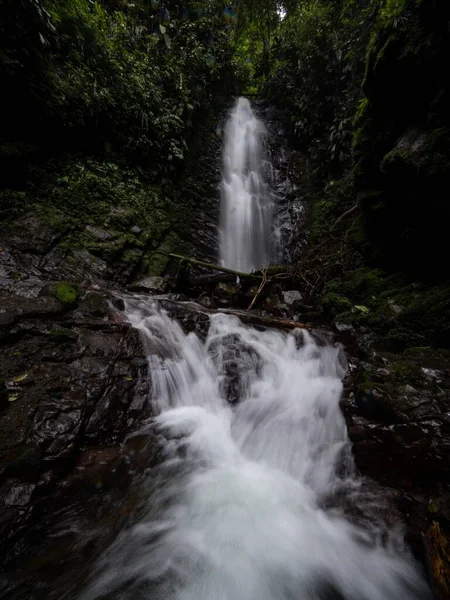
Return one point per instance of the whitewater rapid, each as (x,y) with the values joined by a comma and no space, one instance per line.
(240,510)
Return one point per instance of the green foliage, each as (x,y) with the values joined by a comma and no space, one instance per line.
(391,11)
(303,59)
(316,70)
(95,192)
(129,79)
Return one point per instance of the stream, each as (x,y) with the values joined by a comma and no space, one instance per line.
(257,464)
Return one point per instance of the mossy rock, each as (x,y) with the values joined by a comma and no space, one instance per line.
(335,304)
(406,371)
(66,293)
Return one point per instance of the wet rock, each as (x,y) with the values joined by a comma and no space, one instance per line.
(118,303)
(226,295)
(97,470)
(345,333)
(40,236)
(292,296)
(11,309)
(189,316)
(17,494)
(95,304)
(28,287)
(77,377)
(98,233)
(84,261)
(25,463)
(15,506)
(207,302)
(374,403)
(3,396)
(152,285)
(144,450)
(404,455)
(238,365)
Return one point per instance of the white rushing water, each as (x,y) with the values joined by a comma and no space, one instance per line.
(256,458)
(246,199)
(240,510)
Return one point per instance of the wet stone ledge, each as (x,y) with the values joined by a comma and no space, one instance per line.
(73,380)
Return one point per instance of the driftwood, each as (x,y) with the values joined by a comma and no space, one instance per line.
(245,316)
(213,267)
(265,280)
(254,319)
(259,290)
(211,279)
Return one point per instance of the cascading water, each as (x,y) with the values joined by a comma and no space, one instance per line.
(245,504)
(241,515)
(246,199)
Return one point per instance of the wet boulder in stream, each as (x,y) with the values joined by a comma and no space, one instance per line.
(238,365)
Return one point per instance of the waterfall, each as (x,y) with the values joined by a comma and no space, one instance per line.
(247,503)
(240,512)
(246,199)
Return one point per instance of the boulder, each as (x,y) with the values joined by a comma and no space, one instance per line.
(152,285)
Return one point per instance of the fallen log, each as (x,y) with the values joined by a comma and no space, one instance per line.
(254,319)
(245,316)
(213,267)
(212,278)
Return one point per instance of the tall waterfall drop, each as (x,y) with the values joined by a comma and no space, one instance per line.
(246,199)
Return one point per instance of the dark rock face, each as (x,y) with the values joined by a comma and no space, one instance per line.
(71,378)
(397,411)
(410,455)
(288,184)
(238,365)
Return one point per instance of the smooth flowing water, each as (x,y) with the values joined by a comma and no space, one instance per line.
(256,460)
(242,513)
(246,198)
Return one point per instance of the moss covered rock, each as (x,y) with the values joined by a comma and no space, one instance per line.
(66,293)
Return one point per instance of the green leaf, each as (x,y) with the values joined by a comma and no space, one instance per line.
(162,29)
(20,378)
(361,308)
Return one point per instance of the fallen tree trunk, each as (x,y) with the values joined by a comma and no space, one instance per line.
(263,321)
(213,267)
(245,316)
